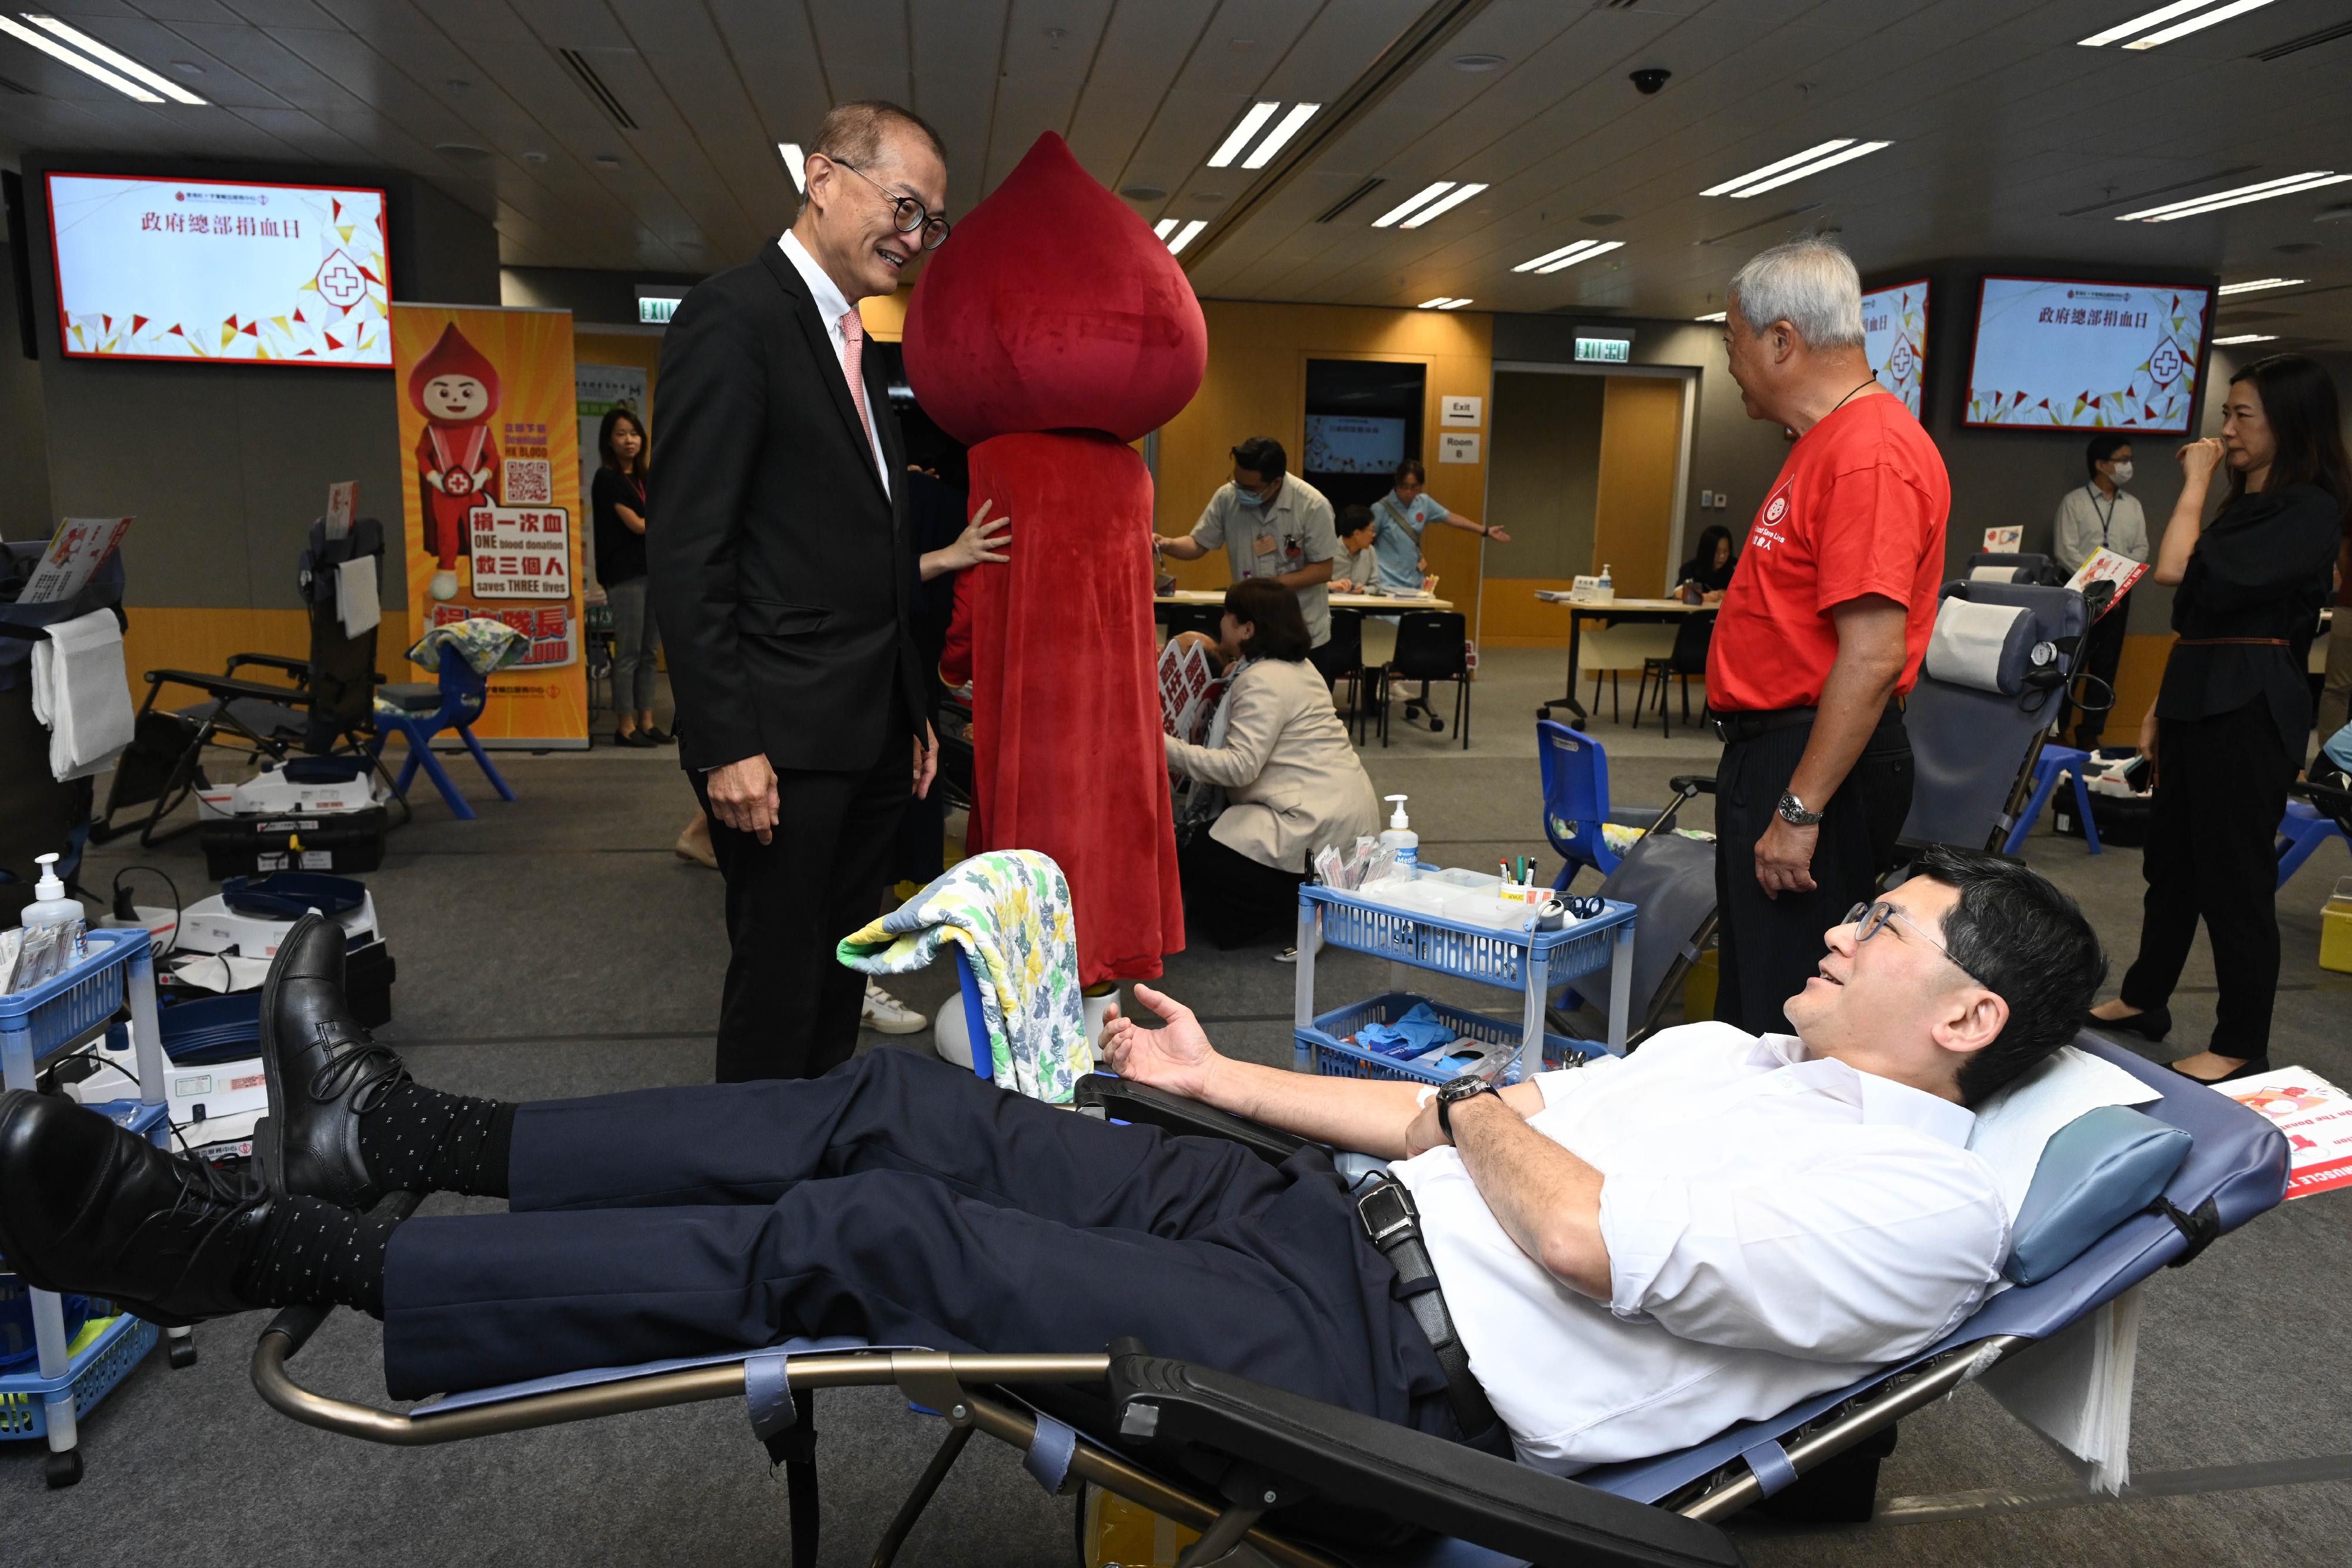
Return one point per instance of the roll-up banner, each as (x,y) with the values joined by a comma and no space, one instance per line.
(489,439)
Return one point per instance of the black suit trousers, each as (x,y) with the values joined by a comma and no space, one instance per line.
(1770,946)
(790,1008)
(902,1200)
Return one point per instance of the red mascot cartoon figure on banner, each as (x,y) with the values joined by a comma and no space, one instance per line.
(1051,332)
(456,390)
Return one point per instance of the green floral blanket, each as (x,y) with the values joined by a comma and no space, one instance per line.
(1010,909)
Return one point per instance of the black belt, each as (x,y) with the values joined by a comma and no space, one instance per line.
(1736,726)
(1389,1218)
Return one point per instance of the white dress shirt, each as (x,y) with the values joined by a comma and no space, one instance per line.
(1776,1227)
(831,307)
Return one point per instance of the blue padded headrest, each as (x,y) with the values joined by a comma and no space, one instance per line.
(2097,1171)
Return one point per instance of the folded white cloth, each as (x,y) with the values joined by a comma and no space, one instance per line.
(356,601)
(2014,1124)
(81,690)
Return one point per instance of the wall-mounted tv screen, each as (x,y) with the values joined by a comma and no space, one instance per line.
(218,271)
(1894,336)
(1353,443)
(2061,354)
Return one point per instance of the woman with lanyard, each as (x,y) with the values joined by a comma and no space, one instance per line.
(1402,516)
(2094,515)
(2227,732)
(617,498)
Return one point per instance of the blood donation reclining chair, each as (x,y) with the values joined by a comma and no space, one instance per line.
(2118,1194)
(1996,663)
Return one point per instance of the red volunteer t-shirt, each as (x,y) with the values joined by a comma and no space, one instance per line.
(1859,508)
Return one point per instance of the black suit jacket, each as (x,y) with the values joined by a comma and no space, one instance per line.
(781,569)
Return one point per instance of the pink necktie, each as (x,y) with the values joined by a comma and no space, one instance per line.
(852,354)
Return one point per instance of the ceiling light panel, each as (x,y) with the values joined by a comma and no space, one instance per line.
(1242,134)
(2246,338)
(1716,316)
(1533,262)
(1580,257)
(2202,20)
(1429,193)
(1806,171)
(1186,235)
(1445,204)
(1284,129)
(1455,304)
(2237,196)
(1163,229)
(2255,285)
(82,63)
(795,165)
(2141,23)
(120,61)
(1807,156)
(1434,304)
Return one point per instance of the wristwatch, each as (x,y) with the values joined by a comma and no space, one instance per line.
(1452,1092)
(1793,812)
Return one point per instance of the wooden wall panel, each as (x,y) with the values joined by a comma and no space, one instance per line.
(1634,511)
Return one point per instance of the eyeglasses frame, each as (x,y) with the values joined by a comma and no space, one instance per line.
(924,216)
(1859,917)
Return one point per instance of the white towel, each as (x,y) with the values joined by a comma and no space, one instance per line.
(82,692)
(356,595)
(2014,1124)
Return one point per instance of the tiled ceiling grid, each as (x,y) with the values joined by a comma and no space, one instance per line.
(2008,138)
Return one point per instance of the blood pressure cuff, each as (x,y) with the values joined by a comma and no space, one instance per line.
(1990,648)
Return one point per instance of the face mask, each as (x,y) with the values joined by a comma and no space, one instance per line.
(2121,473)
(1248,497)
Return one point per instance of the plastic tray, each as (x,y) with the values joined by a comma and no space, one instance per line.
(1322,1047)
(67,1008)
(92,1375)
(1479,953)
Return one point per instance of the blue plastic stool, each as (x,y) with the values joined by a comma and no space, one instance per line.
(463,690)
(2055,760)
(2301,830)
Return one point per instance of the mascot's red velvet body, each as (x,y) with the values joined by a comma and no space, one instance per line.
(1054,330)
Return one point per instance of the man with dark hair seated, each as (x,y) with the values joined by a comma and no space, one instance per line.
(1628,1257)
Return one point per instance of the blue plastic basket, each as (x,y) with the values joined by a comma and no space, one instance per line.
(1479,953)
(1323,1046)
(24,1401)
(65,1007)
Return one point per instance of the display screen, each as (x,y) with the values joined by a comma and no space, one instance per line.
(1353,443)
(213,269)
(1894,336)
(2054,354)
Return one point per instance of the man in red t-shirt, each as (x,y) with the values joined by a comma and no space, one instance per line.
(1821,630)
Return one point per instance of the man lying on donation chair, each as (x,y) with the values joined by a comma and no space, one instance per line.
(1635,1254)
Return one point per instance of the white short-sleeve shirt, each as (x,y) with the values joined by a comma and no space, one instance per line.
(1776,1227)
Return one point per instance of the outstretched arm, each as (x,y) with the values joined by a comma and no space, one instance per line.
(1367,1116)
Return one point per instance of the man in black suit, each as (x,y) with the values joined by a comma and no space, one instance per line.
(780,559)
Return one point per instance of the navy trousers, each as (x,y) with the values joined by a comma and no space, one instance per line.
(905,1201)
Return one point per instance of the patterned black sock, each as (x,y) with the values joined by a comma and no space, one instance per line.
(315,1254)
(421,1140)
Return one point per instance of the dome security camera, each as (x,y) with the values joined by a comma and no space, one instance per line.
(1650,78)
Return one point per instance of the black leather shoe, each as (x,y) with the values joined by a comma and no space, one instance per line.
(2247,1069)
(324,1072)
(89,1207)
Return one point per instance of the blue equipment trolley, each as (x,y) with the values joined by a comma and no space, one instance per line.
(71,1374)
(1533,963)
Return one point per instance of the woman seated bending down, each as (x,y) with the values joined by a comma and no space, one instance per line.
(1292,780)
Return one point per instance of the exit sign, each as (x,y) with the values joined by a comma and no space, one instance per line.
(1605,351)
(656,312)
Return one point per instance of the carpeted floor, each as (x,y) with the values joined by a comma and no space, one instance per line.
(556,947)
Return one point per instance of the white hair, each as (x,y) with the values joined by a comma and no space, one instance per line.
(1809,283)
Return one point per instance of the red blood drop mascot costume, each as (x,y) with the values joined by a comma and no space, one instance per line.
(1052,331)
(456,390)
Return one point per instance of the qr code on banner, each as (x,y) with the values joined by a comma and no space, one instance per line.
(529,482)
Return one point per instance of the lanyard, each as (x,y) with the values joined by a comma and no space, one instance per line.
(2109,518)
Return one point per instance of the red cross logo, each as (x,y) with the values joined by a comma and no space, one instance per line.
(340,283)
(2164,365)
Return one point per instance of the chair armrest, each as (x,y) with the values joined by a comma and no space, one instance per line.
(292,667)
(227,686)
(1359,1461)
(1101,1095)
(1692,783)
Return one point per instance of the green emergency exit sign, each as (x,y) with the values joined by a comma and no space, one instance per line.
(1605,351)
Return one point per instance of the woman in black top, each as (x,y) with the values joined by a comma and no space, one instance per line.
(617,496)
(1708,571)
(2227,732)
